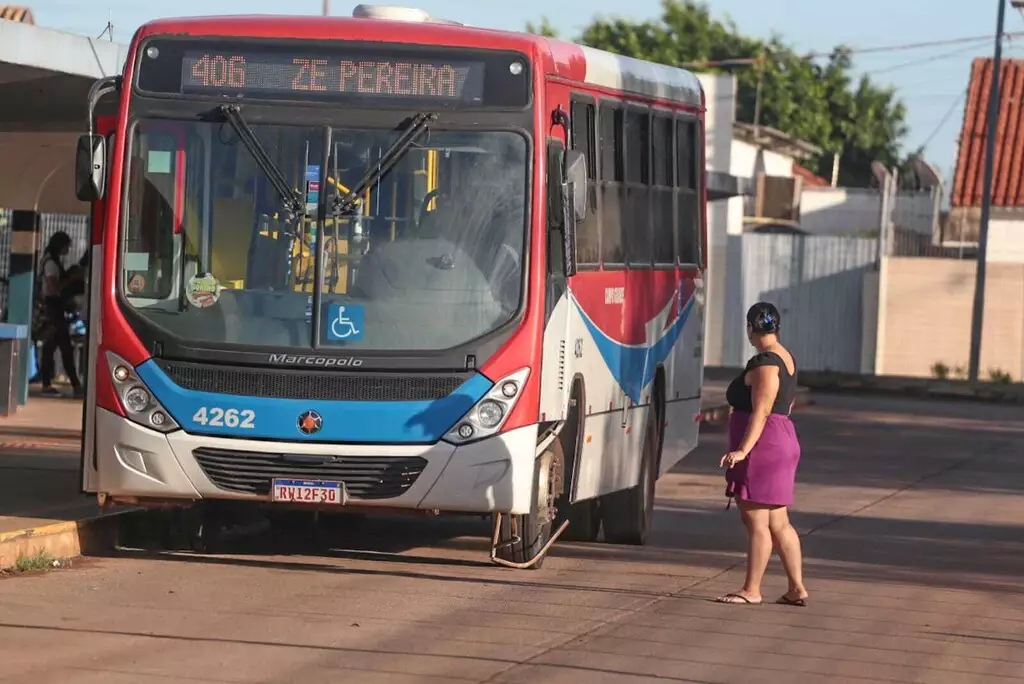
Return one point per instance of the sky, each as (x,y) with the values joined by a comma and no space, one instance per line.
(930,81)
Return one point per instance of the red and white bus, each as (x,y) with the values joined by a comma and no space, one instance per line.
(385,262)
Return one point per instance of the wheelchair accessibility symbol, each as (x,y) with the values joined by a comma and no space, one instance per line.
(345,323)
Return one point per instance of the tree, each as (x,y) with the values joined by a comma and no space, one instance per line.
(544,28)
(813,99)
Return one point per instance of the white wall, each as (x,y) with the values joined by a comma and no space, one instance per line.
(1006,241)
(725,217)
(748,162)
(857,211)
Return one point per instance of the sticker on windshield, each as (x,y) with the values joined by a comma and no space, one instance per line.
(137,284)
(202,291)
(345,323)
(312,188)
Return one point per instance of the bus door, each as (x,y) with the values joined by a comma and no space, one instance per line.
(91,364)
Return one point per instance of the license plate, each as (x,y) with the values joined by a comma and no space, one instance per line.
(308,491)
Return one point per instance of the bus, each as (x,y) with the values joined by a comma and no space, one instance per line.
(389,263)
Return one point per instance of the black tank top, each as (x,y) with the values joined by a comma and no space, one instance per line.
(738,393)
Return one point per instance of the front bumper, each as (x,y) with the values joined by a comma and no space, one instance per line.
(492,475)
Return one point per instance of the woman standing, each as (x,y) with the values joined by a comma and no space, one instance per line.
(55,305)
(763,455)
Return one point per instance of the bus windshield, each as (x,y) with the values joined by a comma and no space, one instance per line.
(429,258)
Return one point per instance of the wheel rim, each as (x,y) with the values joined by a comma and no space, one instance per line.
(545,501)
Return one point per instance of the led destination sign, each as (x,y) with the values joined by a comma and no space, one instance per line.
(375,74)
(283,75)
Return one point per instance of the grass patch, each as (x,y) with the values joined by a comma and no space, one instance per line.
(37,562)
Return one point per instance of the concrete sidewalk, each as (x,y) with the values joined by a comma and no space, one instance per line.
(41,504)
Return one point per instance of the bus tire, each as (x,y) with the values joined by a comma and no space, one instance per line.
(626,514)
(584,521)
(533,530)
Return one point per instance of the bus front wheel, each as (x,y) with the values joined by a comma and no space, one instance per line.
(521,537)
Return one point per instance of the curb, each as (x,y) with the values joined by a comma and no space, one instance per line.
(67,539)
(10,433)
(39,445)
(925,388)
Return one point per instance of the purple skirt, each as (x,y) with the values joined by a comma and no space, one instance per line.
(768,475)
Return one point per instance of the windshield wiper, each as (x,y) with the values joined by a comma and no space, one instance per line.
(293,204)
(345,203)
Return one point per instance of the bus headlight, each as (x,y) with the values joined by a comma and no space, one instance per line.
(140,406)
(491,412)
(136,399)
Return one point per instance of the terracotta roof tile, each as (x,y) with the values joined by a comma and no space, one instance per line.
(1008,176)
(15,13)
(810,179)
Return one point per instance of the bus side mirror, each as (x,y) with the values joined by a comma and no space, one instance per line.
(576,179)
(91,168)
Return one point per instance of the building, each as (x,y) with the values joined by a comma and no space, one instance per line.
(1006,226)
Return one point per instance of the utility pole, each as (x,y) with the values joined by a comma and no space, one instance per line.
(757,98)
(977,315)
(327,8)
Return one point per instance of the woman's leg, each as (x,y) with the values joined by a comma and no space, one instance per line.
(50,343)
(759,551)
(59,338)
(46,365)
(67,357)
(787,541)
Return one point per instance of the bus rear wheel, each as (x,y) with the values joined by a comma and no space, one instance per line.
(626,515)
(521,537)
(584,520)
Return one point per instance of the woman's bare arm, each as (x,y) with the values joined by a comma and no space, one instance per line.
(764,387)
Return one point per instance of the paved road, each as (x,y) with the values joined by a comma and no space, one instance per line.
(912,514)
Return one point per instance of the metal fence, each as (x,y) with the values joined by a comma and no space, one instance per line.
(75,225)
(816,282)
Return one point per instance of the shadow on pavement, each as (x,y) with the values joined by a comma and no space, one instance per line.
(856,457)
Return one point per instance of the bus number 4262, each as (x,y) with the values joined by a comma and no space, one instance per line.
(218,417)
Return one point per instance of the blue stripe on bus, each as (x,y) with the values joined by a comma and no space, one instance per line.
(373,422)
(633,367)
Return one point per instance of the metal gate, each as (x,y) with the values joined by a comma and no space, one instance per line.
(817,283)
(75,225)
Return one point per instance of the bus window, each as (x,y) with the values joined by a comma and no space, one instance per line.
(588,238)
(662,196)
(636,224)
(612,177)
(148,258)
(688,207)
(207,217)
(455,267)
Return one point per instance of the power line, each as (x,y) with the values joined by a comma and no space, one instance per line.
(923,60)
(898,47)
(916,46)
(945,119)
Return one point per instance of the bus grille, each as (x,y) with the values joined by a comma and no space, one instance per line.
(311,385)
(248,472)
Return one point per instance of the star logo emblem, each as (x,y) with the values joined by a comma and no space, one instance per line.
(310,423)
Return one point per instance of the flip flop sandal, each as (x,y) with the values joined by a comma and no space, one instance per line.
(743,600)
(786,601)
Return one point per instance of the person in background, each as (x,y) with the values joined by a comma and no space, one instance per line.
(76,291)
(54,285)
(763,456)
